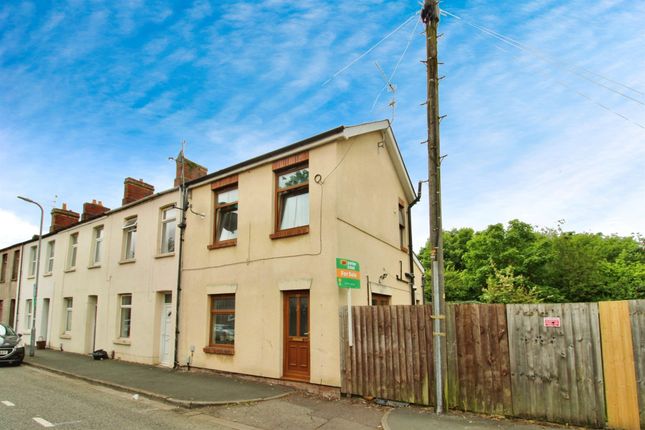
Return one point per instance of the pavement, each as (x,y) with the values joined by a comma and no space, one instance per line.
(256,405)
(181,387)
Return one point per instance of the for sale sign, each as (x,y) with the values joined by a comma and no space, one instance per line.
(552,322)
(348,273)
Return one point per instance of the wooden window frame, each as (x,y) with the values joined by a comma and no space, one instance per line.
(287,165)
(401,215)
(219,348)
(220,186)
(3,270)
(380,299)
(15,265)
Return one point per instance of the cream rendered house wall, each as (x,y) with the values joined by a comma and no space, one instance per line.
(46,287)
(359,191)
(146,278)
(258,269)
(8,288)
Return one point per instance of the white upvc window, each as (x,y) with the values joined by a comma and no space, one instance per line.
(51,248)
(72,251)
(28,314)
(69,302)
(32,260)
(125,317)
(168,226)
(129,238)
(97,246)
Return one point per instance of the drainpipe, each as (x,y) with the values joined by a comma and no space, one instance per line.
(410,275)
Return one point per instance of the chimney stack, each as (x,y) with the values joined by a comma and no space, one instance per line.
(62,218)
(93,210)
(134,190)
(192,170)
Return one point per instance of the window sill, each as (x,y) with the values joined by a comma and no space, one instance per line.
(65,336)
(94,266)
(296,231)
(71,269)
(31,276)
(47,274)
(128,261)
(167,254)
(219,350)
(223,244)
(121,341)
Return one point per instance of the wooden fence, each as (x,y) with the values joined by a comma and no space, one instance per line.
(507,360)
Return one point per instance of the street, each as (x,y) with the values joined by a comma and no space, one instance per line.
(33,399)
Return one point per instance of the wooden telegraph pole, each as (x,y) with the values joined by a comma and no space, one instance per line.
(430,17)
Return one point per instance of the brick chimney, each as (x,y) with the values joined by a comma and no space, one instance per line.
(93,210)
(134,190)
(62,218)
(192,170)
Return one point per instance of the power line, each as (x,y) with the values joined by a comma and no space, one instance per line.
(351,63)
(569,67)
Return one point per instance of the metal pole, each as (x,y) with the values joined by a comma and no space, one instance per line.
(350,333)
(32,340)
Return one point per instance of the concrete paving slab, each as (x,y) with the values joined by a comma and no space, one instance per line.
(424,419)
(185,388)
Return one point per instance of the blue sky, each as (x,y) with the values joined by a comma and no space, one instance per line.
(92,92)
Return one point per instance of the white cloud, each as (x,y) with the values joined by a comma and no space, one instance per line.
(14,229)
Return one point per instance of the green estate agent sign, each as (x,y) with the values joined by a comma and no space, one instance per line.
(348,273)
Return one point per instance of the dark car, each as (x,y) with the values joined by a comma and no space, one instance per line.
(12,348)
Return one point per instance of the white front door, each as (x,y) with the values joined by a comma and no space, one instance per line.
(165,329)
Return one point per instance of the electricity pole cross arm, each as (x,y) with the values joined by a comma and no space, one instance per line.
(430,16)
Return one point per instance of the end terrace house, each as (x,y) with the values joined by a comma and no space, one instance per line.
(259,294)
(108,278)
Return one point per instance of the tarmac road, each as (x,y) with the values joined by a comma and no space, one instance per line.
(35,399)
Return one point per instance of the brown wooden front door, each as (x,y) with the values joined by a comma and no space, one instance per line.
(296,335)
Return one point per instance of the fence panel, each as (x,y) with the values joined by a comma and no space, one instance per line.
(479,364)
(619,369)
(391,355)
(556,364)
(637,316)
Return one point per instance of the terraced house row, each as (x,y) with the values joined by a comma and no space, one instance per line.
(234,270)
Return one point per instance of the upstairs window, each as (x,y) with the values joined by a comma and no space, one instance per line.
(97,246)
(51,248)
(3,268)
(32,261)
(72,251)
(129,238)
(168,224)
(15,266)
(402,236)
(226,202)
(226,197)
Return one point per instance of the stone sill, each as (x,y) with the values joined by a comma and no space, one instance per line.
(121,341)
(219,350)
